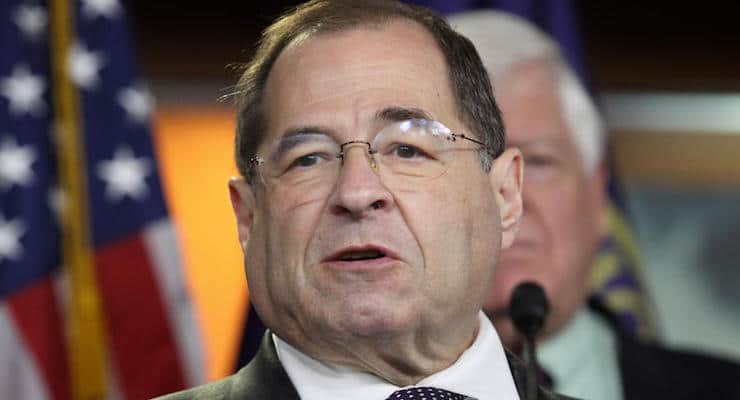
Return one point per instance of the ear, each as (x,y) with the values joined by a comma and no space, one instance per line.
(507,174)
(243,203)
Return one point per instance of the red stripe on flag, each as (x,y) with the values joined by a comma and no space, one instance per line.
(37,316)
(144,347)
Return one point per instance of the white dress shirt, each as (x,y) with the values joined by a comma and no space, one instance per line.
(583,360)
(482,372)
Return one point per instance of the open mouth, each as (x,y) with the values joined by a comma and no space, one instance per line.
(360,255)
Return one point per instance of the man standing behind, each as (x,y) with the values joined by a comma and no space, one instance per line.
(550,117)
(375,197)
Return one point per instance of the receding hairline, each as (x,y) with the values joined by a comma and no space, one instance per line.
(376,24)
(355,17)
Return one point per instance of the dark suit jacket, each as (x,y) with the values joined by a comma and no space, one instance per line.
(650,371)
(653,372)
(265,379)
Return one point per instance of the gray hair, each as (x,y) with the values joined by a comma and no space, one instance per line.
(505,41)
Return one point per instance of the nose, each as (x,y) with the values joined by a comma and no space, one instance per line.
(359,189)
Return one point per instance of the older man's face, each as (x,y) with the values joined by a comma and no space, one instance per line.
(564,214)
(425,251)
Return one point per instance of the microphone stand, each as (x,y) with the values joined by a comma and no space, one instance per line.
(530,360)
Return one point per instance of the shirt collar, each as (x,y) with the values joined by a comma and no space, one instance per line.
(583,359)
(481,372)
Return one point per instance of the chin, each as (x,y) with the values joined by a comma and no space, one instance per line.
(377,325)
(369,315)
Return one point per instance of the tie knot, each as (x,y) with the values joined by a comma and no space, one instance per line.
(424,393)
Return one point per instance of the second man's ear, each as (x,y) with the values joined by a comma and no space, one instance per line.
(507,174)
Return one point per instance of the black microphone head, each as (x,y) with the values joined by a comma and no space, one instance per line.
(528,308)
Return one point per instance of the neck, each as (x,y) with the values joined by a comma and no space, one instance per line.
(402,360)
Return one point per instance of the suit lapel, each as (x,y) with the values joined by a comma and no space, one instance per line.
(264,376)
(518,373)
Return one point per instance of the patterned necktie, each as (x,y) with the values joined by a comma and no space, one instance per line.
(424,393)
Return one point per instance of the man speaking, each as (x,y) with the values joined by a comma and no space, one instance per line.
(375,196)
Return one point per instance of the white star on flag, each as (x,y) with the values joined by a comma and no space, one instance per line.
(137,101)
(92,9)
(84,66)
(124,175)
(10,238)
(24,91)
(15,163)
(31,20)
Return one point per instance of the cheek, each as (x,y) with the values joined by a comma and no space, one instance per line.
(429,217)
(565,225)
(275,256)
(439,219)
(571,240)
(460,235)
(292,222)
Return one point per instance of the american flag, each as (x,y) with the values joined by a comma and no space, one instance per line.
(92,298)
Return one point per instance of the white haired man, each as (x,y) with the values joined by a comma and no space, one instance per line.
(550,117)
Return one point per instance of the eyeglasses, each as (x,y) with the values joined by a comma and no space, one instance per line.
(402,152)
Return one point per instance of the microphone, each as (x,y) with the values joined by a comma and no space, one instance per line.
(528,310)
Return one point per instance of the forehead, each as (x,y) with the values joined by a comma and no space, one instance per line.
(343,78)
(531,106)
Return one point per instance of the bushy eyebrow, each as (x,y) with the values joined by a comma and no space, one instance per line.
(401,114)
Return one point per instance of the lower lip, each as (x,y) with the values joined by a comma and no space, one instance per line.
(363,265)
